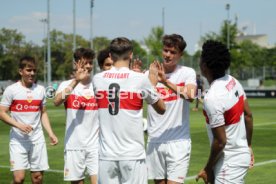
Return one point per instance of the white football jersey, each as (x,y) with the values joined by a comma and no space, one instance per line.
(224,105)
(82,124)
(25,106)
(175,123)
(120,93)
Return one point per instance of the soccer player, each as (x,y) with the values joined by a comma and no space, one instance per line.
(199,91)
(104,60)
(81,137)
(120,93)
(169,144)
(228,117)
(26,102)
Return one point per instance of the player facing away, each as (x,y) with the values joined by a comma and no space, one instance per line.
(26,102)
(82,124)
(169,144)
(228,117)
(120,93)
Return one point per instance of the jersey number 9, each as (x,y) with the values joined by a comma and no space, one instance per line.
(114,98)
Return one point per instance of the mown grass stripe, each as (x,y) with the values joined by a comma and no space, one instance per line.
(188,178)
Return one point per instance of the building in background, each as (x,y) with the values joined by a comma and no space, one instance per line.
(258,39)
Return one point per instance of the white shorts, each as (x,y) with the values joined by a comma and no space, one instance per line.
(28,156)
(76,162)
(228,173)
(168,160)
(122,172)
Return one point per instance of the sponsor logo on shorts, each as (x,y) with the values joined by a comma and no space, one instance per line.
(66,172)
(12,164)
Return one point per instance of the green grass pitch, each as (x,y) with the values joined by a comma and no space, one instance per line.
(264,145)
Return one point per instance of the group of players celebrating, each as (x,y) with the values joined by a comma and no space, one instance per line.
(104,131)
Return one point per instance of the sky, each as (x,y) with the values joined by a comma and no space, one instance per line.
(134,19)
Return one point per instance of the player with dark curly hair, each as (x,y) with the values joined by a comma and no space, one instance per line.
(228,117)
(104,60)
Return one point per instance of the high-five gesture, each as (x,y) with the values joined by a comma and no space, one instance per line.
(153,73)
(136,65)
(81,71)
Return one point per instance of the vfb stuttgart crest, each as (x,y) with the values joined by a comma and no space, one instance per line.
(87,94)
(29,96)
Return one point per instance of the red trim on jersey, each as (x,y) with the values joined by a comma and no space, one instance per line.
(81,103)
(128,100)
(167,94)
(233,115)
(26,106)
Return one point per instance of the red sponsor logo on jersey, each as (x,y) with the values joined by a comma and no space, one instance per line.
(80,103)
(168,94)
(127,100)
(231,84)
(26,106)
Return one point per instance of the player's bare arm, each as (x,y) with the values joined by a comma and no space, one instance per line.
(159,106)
(46,124)
(187,92)
(248,117)
(4,115)
(218,145)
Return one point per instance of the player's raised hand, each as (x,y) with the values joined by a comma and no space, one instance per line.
(136,65)
(153,73)
(81,71)
(161,72)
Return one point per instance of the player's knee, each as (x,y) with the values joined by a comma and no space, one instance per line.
(37,178)
(18,179)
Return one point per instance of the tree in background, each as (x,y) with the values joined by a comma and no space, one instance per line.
(62,53)
(12,47)
(154,43)
(100,43)
(244,55)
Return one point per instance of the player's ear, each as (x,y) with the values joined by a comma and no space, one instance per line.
(131,55)
(20,71)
